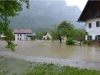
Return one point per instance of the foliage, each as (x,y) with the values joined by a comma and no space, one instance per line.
(79,35)
(33,38)
(70,41)
(66,29)
(63,29)
(8,9)
(48,38)
(88,42)
(51,69)
(54,33)
(40,35)
(11,45)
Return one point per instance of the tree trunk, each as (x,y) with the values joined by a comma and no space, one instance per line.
(60,39)
(80,42)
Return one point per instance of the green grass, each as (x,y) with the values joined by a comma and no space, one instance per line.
(11,66)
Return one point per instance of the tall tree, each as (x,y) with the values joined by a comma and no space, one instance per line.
(40,35)
(65,29)
(9,8)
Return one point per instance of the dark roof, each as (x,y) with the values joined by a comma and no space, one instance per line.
(91,10)
(22,31)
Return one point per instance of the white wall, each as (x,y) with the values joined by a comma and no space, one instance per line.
(47,35)
(93,31)
(23,37)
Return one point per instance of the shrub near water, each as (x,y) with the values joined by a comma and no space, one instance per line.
(48,38)
(88,42)
(33,38)
(70,41)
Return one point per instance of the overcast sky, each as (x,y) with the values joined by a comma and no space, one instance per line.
(79,3)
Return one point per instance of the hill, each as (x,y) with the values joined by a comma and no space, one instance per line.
(42,15)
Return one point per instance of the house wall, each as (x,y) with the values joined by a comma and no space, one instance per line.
(47,35)
(21,38)
(93,31)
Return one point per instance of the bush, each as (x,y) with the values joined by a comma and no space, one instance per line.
(84,42)
(48,38)
(88,42)
(70,41)
(33,38)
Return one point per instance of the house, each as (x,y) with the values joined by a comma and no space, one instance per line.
(23,34)
(91,16)
(46,36)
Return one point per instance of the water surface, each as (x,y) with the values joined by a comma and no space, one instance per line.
(56,50)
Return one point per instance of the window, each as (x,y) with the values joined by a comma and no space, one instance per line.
(20,38)
(97,37)
(89,37)
(20,34)
(17,34)
(97,23)
(90,25)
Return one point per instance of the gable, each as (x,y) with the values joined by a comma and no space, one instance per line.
(91,10)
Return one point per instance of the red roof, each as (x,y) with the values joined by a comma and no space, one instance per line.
(24,31)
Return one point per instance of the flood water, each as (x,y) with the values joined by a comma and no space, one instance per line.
(56,50)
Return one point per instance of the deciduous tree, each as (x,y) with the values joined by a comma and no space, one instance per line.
(65,29)
(9,8)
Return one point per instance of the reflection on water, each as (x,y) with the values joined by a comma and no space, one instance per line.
(58,50)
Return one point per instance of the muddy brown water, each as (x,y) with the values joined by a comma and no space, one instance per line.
(56,50)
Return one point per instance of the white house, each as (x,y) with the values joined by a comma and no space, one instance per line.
(47,35)
(22,34)
(91,16)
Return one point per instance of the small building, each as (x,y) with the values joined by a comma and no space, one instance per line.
(91,16)
(46,36)
(23,34)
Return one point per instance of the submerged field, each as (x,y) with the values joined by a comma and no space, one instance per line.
(12,66)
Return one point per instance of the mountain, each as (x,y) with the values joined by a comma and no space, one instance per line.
(43,14)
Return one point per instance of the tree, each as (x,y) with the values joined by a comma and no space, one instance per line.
(40,35)
(80,35)
(9,8)
(65,29)
(54,33)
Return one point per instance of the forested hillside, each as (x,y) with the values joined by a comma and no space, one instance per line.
(42,15)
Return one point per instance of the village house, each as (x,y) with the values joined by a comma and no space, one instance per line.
(23,34)
(46,36)
(91,15)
